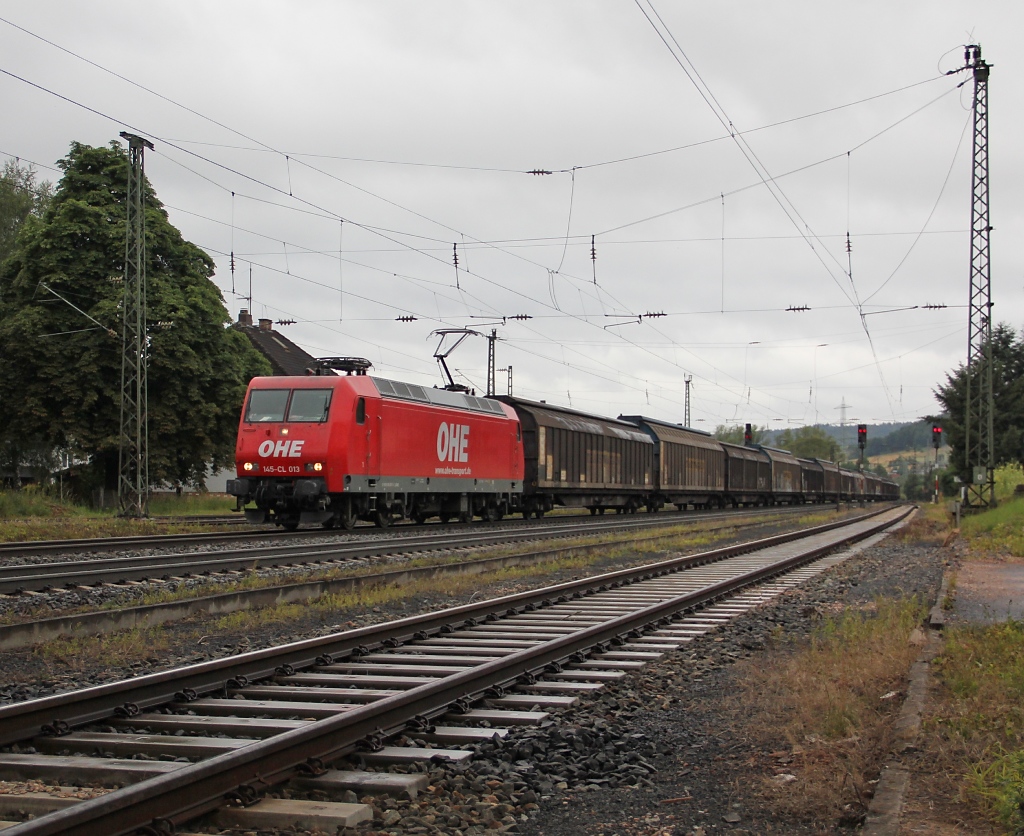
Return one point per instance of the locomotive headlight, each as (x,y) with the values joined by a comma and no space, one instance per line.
(250,466)
(315,466)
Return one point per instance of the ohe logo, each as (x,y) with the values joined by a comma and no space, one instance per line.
(452,443)
(281,449)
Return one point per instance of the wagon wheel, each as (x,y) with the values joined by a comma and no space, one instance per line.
(330,522)
(538,513)
(290,523)
(419,518)
(445,518)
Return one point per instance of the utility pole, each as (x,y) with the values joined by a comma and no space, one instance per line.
(508,382)
(491,384)
(843,406)
(686,408)
(979,444)
(133,455)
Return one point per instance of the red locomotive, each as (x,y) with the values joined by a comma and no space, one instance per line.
(332,450)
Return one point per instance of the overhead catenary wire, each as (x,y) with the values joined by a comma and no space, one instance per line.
(564,242)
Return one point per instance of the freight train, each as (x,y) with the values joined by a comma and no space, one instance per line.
(331,450)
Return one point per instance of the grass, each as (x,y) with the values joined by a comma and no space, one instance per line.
(116,649)
(34,514)
(833,702)
(998,531)
(977,720)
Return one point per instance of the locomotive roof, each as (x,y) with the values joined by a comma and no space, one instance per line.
(437,397)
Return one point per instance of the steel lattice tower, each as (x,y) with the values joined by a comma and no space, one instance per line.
(133,456)
(979,436)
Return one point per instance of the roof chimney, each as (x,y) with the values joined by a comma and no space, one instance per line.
(244,317)
(266,325)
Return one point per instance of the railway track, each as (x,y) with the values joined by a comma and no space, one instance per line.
(349,551)
(242,725)
(99,545)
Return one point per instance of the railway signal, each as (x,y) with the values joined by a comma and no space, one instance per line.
(862,436)
(936,436)
(748,436)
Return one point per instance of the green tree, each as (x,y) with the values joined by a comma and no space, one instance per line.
(734,435)
(807,442)
(60,332)
(1008,398)
(20,197)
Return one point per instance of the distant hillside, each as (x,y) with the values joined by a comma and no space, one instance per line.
(880,436)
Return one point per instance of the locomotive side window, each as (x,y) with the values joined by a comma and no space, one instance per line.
(266,405)
(310,405)
(361,411)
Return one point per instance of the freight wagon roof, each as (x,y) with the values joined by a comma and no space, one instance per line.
(675,433)
(737,451)
(779,455)
(437,397)
(558,417)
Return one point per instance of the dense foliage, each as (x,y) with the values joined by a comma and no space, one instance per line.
(1008,396)
(916,436)
(60,333)
(808,443)
(20,197)
(734,435)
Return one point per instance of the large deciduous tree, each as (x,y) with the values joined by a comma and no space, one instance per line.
(808,443)
(60,332)
(734,435)
(20,197)
(1008,398)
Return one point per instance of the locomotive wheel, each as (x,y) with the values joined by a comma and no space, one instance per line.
(491,513)
(538,513)
(330,523)
(526,514)
(381,519)
(347,517)
(290,523)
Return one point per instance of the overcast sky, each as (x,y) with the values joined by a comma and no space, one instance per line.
(362,141)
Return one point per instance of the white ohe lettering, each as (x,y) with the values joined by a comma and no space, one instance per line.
(281,449)
(453,443)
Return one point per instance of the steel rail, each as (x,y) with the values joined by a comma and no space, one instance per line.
(50,575)
(87,705)
(104,544)
(179,796)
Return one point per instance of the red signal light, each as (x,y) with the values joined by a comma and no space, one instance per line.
(862,435)
(936,436)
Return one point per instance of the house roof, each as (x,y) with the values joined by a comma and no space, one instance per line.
(284,356)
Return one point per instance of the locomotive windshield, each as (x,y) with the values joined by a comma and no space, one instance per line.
(270,405)
(266,405)
(309,405)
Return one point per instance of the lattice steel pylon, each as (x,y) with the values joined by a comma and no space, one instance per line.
(979,436)
(133,454)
